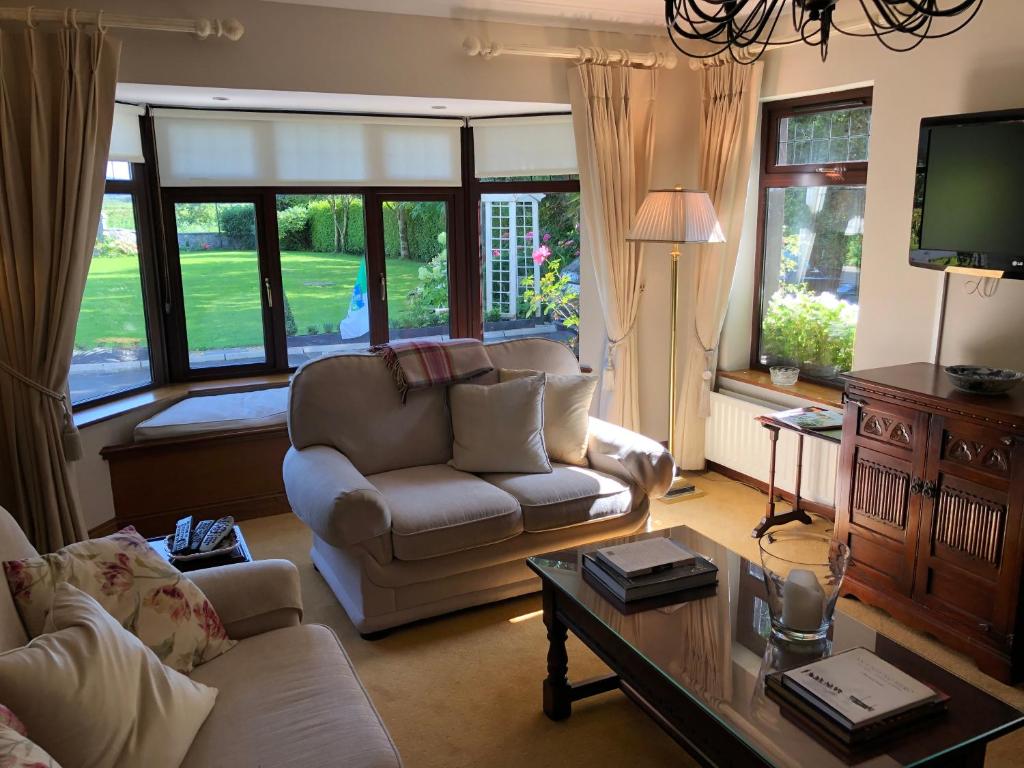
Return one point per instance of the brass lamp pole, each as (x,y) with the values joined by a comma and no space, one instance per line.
(676,216)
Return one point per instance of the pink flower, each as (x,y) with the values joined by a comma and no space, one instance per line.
(209,621)
(547,237)
(529,234)
(496,253)
(541,255)
(171,600)
(116,575)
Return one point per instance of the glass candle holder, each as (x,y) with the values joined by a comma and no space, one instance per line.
(803,573)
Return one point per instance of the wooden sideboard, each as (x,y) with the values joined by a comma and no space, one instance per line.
(929,499)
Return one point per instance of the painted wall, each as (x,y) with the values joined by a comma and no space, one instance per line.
(979,68)
(301,48)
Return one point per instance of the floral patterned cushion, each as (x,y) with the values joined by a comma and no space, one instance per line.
(16,751)
(145,593)
(10,720)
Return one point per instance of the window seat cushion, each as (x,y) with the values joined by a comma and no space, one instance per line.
(223,412)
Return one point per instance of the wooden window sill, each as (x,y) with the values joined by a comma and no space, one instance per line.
(170,394)
(816,393)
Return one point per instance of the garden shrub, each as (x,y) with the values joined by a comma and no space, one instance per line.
(426,223)
(113,247)
(239,223)
(428,304)
(804,328)
(293,228)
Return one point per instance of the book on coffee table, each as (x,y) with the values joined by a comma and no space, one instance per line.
(856,696)
(639,558)
(699,573)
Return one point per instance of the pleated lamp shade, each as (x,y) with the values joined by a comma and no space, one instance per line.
(676,216)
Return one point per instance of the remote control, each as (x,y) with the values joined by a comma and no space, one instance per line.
(216,534)
(182,535)
(199,533)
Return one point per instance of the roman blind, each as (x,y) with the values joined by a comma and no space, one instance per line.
(524,146)
(125,138)
(207,148)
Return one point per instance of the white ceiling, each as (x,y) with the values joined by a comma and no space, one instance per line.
(641,16)
(190,96)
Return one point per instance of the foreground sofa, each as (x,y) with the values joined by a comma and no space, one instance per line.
(287,694)
(399,535)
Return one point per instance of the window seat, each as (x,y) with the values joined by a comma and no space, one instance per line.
(208,456)
(210,413)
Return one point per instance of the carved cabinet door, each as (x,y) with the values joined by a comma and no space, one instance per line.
(882,461)
(968,566)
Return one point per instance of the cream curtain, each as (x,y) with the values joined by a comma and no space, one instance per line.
(729,111)
(56,110)
(613,123)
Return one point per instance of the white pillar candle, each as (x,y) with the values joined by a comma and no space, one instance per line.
(803,601)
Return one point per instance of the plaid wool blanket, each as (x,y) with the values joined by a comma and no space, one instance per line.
(423,364)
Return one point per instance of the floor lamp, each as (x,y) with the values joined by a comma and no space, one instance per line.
(677,216)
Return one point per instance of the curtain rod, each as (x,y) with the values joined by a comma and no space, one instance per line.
(580,54)
(231,29)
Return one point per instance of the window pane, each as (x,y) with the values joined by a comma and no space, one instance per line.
(221,283)
(416,268)
(111,349)
(119,170)
(835,136)
(323,269)
(531,265)
(811,277)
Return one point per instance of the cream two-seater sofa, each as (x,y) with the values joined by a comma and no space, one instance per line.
(287,695)
(399,535)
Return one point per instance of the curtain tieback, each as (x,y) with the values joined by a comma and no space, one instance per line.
(707,380)
(614,344)
(70,439)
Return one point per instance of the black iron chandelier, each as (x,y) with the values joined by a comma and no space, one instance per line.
(745,28)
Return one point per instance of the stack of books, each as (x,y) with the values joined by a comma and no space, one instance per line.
(855,697)
(647,569)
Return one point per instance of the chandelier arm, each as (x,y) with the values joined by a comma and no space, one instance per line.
(723,14)
(931,9)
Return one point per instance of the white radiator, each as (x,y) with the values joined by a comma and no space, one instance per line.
(736,441)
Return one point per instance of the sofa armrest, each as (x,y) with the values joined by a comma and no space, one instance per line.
(252,598)
(630,456)
(333,498)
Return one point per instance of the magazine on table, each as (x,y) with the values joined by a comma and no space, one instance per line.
(815,418)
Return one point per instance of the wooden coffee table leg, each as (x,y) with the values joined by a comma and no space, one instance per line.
(557,691)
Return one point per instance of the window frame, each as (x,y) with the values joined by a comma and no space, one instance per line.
(774,176)
(139,187)
(476,189)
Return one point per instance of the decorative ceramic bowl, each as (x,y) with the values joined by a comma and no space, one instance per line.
(784,375)
(979,380)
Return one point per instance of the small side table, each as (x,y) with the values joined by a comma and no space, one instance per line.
(241,554)
(774,426)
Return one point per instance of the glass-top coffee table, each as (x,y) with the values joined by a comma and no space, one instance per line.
(698,667)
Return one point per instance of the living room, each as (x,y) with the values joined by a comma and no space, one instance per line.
(284,209)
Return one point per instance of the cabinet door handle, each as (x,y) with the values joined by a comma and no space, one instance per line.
(929,490)
(916,486)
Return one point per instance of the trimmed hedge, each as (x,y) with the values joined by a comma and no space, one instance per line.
(293,228)
(428,222)
(321,227)
(239,221)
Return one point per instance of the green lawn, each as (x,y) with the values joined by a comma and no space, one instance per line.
(222,296)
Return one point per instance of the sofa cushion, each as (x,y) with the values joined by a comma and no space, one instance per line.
(90,693)
(147,595)
(289,698)
(566,412)
(18,751)
(221,412)
(568,496)
(13,546)
(437,510)
(351,403)
(499,427)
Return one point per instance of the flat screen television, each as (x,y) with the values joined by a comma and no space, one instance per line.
(969,195)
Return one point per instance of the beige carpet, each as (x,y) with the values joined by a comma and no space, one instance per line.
(464,690)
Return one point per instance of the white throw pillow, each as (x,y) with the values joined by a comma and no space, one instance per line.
(566,412)
(499,427)
(91,693)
